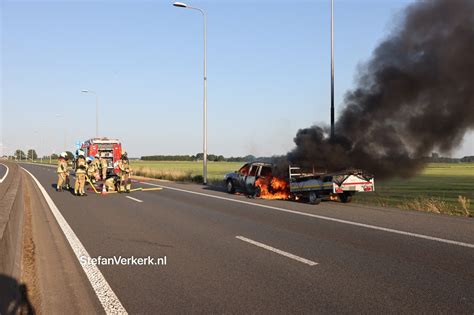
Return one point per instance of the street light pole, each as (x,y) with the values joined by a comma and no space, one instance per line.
(204,160)
(332,69)
(96,111)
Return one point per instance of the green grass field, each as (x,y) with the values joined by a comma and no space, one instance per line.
(183,170)
(178,170)
(436,189)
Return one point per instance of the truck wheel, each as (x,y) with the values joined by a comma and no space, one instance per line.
(230,186)
(345,197)
(313,198)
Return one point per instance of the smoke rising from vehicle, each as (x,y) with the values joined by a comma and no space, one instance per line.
(415,95)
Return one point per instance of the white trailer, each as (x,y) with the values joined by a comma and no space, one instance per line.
(315,187)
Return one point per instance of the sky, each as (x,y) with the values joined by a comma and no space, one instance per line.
(268,71)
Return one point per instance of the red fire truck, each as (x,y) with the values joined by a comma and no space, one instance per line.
(110,149)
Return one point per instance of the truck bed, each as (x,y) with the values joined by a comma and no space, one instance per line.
(346,181)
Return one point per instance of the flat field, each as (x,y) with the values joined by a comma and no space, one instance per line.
(441,187)
(436,189)
(183,170)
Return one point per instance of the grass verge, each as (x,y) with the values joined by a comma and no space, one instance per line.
(441,188)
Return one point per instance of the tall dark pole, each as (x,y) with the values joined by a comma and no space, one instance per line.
(332,69)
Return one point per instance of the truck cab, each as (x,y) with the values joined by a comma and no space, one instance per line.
(244,179)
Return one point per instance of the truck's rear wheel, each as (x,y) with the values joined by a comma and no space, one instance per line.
(230,187)
(345,197)
(313,198)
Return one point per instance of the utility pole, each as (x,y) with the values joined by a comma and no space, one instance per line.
(332,69)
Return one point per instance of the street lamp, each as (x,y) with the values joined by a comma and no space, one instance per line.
(332,69)
(180,5)
(204,161)
(96,111)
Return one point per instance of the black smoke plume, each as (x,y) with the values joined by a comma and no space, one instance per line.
(415,95)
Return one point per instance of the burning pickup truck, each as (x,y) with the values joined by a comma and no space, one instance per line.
(256,179)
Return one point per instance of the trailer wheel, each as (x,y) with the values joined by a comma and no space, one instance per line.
(345,197)
(313,198)
(230,186)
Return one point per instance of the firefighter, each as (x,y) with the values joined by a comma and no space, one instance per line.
(63,173)
(103,167)
(81,170)
(112,183)
(92,169)
(124,170)
(96,162)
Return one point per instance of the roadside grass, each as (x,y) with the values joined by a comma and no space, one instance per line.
(440,188)
(183,170)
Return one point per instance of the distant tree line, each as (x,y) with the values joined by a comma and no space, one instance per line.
(32,155)
(436,158)
(468,159)
(198,157)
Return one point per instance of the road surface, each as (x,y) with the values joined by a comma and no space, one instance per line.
(3,172)
(231,254)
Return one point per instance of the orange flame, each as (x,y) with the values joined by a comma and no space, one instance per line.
(272,188)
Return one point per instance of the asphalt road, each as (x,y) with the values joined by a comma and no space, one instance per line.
(3,172)
(349,258)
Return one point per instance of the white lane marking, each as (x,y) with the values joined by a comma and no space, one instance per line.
(278,251)
(368,226)
(6,173)
(102,289)
(135,199)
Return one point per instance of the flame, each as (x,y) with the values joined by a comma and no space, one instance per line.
(273,188)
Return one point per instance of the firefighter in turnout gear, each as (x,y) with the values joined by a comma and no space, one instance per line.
(81,170)
(124,172)
(112,183)
(63,173)
(96,162)
(92,170)
(103,167)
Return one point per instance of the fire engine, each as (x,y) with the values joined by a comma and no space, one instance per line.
(110,149)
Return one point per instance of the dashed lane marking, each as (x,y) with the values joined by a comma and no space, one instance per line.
(278,251)
(134,199)
(367,226)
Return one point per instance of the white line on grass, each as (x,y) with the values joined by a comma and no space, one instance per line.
(278,251)
(6,173)
(102,289)
(135,199)
(368,226)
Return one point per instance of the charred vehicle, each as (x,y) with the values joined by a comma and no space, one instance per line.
(245,178)
(256,179)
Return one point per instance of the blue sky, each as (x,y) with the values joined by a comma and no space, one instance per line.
(268,71)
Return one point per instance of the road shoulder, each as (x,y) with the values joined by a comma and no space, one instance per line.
(58,277)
